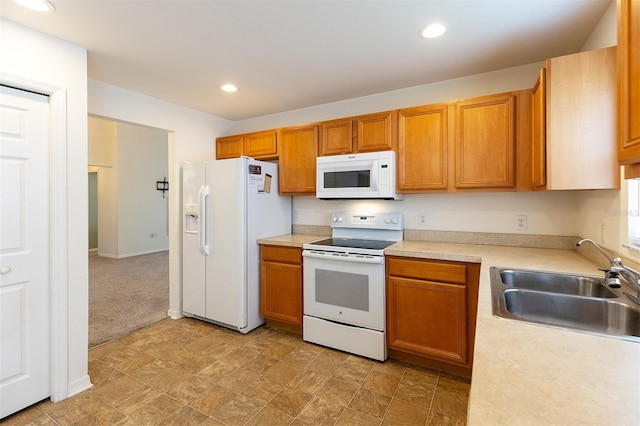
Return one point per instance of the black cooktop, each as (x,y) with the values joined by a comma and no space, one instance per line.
(354,243)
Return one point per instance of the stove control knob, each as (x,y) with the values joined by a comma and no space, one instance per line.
(340,219)
(387,220)
(394,219)
(334,218)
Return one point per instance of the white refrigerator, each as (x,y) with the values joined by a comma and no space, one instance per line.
(227,206)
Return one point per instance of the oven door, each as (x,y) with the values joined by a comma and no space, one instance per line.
(348,289)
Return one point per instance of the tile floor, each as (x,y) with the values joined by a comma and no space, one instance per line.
(188,372)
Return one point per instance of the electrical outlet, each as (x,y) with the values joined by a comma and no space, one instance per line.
(521,222)
(296,216)
(603,231)
(422,219)
(154,235)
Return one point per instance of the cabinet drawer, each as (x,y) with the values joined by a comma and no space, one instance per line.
(281,254)
(431,270)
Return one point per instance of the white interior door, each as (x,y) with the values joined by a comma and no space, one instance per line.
(24,250)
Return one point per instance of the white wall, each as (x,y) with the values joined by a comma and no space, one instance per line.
(102,150)
(29,57)
(191,138)
(142,210)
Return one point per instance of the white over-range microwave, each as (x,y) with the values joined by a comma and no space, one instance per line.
(370,175)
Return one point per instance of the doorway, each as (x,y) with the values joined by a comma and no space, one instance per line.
(128,231)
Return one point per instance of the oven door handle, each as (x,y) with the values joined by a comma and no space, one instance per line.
(350,258)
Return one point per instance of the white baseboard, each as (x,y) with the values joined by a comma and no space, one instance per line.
(122,256)
(173,314)
(79,385)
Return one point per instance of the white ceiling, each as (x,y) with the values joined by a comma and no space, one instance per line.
(285,55)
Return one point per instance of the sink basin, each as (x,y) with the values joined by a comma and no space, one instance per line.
(573,301)
(552,282)
(588,314)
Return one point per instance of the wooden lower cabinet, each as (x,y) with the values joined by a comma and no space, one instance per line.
(431,312)
(281,285)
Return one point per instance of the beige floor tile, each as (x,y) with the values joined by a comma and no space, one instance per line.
(268,416)
(326,363)
(381,383)
(29,416)
(370,402)
(403,413)
(450,403)
(454,383)
(216,371)
(106,415)
(278,350)
(260,364)
(119,389)
(238,410)
(352,371)
(320,412)
(415,392)
(190,388)
(338,391)
(103,375)
(352,417)
(301,356)
(238,379)
(437,419)
(290,401)
(283,372)
(309,381)
(137,400)
(186,416)
(156,410)
(391,367)
(71,410)
(212,399)
(263,390)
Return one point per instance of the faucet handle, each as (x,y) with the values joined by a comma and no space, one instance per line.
(611,278)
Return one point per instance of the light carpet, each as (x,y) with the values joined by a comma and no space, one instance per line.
(126,294)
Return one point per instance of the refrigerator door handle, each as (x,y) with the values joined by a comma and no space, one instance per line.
(203,246)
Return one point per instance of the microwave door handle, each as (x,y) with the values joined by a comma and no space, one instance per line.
(374,174)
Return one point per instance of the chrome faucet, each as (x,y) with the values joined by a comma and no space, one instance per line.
(616,269)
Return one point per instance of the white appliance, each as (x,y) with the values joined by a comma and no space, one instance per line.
(344,284)
(368,175)
(227,206)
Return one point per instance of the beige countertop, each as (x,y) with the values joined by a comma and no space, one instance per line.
(530,374)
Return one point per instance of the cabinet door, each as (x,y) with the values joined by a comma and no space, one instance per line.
(261,145)
(377,132)
(427,318)
(336,137)
(228,147)
(629,84)
(281,288)
(538,124)
(298,152)
(422,148)
(485,142)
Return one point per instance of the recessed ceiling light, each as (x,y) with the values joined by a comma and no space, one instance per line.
(432,31)
(228,88)
(37,5)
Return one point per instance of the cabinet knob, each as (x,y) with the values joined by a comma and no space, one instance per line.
(5,270)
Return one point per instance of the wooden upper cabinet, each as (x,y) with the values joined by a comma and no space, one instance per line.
(485,142)
(579,116)
(261,145)
(376,132)
(422,148)
(336,137)
(229,147)
(629,86)
(538,132)
(298,152)
(365,133)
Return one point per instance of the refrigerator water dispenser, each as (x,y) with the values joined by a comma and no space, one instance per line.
(191,218)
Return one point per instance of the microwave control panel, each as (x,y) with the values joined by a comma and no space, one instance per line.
(384,176)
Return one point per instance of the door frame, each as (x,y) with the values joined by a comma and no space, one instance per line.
(58,246)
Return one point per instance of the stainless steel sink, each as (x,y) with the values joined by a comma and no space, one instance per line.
(553,282)
(573,301)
